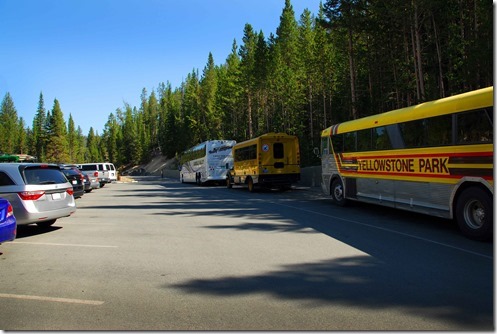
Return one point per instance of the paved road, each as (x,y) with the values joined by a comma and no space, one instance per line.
(158,254)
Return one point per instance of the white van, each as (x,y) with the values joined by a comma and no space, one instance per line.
(106,171)
(112,171)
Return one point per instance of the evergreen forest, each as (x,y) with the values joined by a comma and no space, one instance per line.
(353,58)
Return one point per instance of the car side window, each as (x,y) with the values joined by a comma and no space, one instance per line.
(5,180)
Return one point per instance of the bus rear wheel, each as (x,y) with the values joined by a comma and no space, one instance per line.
(337,192)
(250,184)
(474,213)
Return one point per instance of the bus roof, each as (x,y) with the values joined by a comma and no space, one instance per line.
(467,101)
(272,135)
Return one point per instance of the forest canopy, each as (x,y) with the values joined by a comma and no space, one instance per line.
(353,58)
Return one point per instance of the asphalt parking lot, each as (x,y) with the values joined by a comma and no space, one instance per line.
(161,255)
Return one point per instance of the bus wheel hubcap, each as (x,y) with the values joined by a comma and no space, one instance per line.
(474,214)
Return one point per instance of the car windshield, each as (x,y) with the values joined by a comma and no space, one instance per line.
(43,175)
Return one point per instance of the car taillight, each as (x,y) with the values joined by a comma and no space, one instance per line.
(31,195)
(95,174)
(10,211)
(70,191)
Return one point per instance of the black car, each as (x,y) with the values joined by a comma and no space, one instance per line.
(76,178)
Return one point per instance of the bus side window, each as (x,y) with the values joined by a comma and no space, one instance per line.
(350,142)
(475,127)
(381,141)
(413,133)
(364,140)
(439,130)
(395,136)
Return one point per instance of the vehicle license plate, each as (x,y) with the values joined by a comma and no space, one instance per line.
(74,182)
(56,196)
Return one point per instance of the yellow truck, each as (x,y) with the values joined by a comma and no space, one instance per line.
(271,160)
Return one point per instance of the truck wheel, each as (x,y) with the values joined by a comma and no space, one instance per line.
(474,213)
(229,185)
(337,192)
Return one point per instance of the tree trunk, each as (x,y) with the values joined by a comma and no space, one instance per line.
(439,57)
(352,75)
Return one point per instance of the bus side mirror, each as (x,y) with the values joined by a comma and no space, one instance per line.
(316,152)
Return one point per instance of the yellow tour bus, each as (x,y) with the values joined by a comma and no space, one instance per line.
(434,158)
(271,160)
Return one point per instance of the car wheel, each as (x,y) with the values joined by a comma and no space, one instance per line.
(46,223)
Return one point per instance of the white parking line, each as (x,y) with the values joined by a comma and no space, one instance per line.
(52,299)
(54,244)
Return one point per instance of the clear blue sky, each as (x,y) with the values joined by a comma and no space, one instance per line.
(94,55)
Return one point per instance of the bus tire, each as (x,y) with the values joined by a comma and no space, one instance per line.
(229,184)
(337,192)
(474,213)
(250,183)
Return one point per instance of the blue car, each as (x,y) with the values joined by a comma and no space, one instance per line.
(8,224)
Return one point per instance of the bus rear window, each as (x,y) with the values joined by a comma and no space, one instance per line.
(279,152)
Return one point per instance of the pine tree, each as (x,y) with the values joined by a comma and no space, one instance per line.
(72,140)
(8,125)
(57,146)
(92,150)
(39,134)
(211,120)
(228,100)
(247,68)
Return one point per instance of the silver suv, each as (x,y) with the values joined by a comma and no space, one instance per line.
(39,193)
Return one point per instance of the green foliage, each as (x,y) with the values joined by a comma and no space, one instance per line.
(352,59)
(8,126)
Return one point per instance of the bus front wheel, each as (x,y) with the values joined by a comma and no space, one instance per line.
(337,192)
(474,213)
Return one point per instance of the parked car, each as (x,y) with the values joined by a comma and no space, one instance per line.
(100,168)
(8,224)
(112,171)
(76,178)
(91,181)
(39,193)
